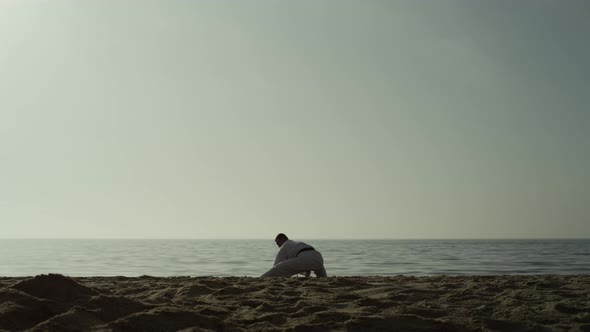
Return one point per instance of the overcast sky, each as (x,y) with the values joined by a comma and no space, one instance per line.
(320,119)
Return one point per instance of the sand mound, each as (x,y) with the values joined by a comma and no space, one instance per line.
(20,311)
(470,303)
(55,287)
(57,303)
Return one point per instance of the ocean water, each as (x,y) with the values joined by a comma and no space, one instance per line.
(83,257)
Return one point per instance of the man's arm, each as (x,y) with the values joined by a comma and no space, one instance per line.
(281,255)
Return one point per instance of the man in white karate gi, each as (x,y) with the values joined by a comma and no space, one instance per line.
(296,257)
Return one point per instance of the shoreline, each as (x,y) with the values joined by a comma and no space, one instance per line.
(430,303)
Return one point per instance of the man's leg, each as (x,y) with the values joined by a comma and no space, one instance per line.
(318,264)
(287,268)
(320,273)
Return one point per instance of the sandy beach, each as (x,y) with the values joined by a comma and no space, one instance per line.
(402,303)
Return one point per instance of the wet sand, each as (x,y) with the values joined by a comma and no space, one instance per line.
(402,303)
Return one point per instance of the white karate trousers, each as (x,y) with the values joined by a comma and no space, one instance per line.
(304,262)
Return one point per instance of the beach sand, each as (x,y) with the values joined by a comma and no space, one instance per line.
(402,303)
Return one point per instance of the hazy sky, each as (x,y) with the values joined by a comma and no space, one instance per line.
(320,119)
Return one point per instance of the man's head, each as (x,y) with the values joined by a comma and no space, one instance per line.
(280,239)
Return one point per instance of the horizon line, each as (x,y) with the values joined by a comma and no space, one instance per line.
(329,239)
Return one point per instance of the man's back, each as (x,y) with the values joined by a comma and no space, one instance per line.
(289,250)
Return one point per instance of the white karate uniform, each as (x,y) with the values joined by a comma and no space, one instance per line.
(288,263)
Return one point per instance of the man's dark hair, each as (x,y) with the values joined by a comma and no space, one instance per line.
(282,237)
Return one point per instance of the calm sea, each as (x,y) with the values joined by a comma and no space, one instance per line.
(253,257)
